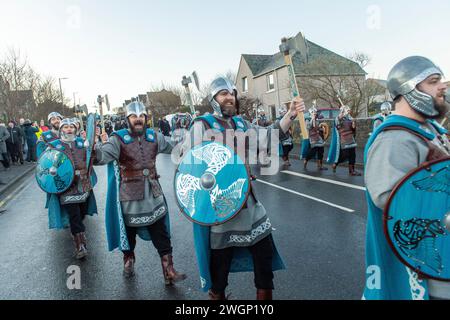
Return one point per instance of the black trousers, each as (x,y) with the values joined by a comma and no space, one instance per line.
(286,150)
(160,237)
(315,151)
(347,154)
(5,160)
(77,212)
(262,254)
(31,155)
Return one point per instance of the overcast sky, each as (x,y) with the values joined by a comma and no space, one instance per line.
(124,47)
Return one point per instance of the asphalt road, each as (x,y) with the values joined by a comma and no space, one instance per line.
(319,221)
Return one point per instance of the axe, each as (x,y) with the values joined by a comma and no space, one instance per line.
(284,48)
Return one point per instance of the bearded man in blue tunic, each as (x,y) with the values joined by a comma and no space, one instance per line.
(135,203)
(243,243)
(405,140)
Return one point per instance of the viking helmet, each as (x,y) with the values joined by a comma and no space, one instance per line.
(53,115)
(312,110)
(68,122)
(218,85)
(386,107)
(404,78)
(136,108)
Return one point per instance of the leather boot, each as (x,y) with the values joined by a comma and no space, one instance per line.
(216,296)
(320,166)
(128,264)
(80,246)
(352,172)
(263,294)
(170,274)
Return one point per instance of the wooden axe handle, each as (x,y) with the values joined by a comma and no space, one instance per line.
(295,93)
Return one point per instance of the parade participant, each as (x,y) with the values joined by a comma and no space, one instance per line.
(405,140)
(343,143)
(245,242)
(135,201)
(180,124)
(71,206)
(54,119)
(314,147)
(386,110)
(287,144)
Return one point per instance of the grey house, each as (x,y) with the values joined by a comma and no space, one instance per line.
(265,77)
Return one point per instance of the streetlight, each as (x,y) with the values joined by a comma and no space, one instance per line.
(74,99)
(61,92)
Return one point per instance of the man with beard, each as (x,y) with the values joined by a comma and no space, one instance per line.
(316,141)
(407,139)
(54,119)
(343,143)
(79,200)
(245,242)
(135,203)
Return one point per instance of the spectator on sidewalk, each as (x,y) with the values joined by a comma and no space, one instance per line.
(30,134)
(24,140)
(42,128)
(14,142)
(4,135)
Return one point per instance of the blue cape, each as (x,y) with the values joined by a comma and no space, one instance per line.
(335,146)
(396,281)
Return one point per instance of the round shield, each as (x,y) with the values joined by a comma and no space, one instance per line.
(54,172)
(211,184)
(40,148)
(417,220)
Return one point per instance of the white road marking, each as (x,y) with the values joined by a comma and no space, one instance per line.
(343,184)
(306,196)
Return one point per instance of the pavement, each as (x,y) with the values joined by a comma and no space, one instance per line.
(11,177)
(318,219)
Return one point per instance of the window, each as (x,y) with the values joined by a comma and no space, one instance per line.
(270,82)
(244,84)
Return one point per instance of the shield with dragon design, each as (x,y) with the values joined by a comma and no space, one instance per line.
(417,220)
(54,172)
(211,184)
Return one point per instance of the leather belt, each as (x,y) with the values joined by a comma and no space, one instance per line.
(129,174)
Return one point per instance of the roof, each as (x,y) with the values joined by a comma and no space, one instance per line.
(304,63)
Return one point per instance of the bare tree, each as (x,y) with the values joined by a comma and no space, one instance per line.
(24,92)
(328,78)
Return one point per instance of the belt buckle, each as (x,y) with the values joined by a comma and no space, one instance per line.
(145,172)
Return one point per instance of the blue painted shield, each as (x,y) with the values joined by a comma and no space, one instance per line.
(40,148)
(90,136)
(417,220)
(54,172)
(211,184)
